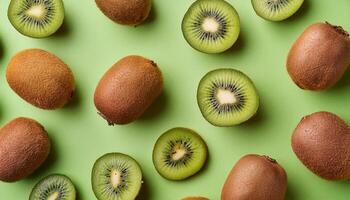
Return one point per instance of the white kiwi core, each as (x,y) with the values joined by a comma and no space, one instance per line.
(226,97)
(178,153)
(210,25)
(37,11)
(116,178)
(53,196)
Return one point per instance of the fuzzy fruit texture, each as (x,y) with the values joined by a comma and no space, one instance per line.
(24,146)
(321,141)
(255,177)
(127,89)
(40,78)
(319,57)
(125,12)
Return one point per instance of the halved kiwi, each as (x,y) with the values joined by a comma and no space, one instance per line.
(116,176)
(36,18)
(276,10)
(54,187)
(211,26)
(227,97)
(179,153)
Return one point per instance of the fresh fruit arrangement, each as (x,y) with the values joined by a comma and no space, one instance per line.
(226,97)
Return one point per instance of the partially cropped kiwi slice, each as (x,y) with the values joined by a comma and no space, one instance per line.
(36,18)
(276,10)
(227,97)
(179,153)
(211,26)
(116,176)
(54,187)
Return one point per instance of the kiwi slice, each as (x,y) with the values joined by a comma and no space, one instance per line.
(276,10)
(116,176)
(179,153)
(54,187)
(211,26)
(227,97)
(36,18)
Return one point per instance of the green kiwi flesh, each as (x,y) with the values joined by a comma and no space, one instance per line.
(227,97)
(54,187)
(179,153)
(36,18)
(116,176)
(211,26)
(276,10)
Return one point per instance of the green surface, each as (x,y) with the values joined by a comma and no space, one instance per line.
(90,44)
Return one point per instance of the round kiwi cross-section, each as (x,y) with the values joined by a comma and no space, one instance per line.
(227,97)
(116,176)
(276,10)
(211,26)
(54,187)
(36,18)
(179,153)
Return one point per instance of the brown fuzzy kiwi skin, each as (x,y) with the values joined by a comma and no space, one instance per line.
(24,146)
(195,198)
(255,177)
(321,141)
(40,78)
(319,57)
(125,12)
(127,89)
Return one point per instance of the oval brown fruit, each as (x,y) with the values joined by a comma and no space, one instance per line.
(319,57)
(24,146)
(126,12)
(255,177)
(127,89)
(321,141)
(40,78)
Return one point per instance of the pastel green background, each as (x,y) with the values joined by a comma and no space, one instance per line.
(90,44)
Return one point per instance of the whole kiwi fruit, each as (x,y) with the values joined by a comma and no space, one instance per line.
(321,141)
(125,12)
(319,57)
(40,78)
(24,146)
(127,89)
(255,177)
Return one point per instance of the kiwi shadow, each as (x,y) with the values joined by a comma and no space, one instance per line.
(156,108)
(47,165)
(343,83)
(237,47)
(64,30)
(1,49)
(77,192)
(255,121)
(151,17)
(303,10)
(144,193)
(291,192)
(75,102)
